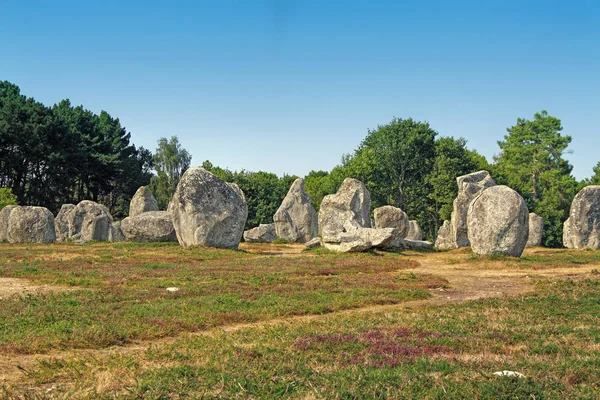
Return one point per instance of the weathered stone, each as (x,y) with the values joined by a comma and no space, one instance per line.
(399,244)
(344,211)
(364,238)
(498,222)
(89,221)
(392,217)
(445,237)
(61,222)
(142,201)
(150,226)
(469,187)
(313,243)
(264,233)
(4,213)
(296,219)
(414,231)
(582,229)
(536,229)
(31,225)
(207,211)
(116,233)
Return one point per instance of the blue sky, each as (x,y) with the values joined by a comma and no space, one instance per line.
(289,86)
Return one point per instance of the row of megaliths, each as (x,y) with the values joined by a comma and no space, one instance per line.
(206,211)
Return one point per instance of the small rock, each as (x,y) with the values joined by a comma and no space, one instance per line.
(510,374)
(172,289)
(313,243)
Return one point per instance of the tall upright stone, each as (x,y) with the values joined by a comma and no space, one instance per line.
(392,217)
(498,221)
(142,201)
(30,224)
(582,229)
(61,222)
(414,231)
(296,219)
(4,214)
(345,211)
(469,187)
(536,230)
(207,211)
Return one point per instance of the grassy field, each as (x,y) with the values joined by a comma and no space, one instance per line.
(97,321)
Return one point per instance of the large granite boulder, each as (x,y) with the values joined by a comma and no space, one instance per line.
(469,187)
(392,217)
(399,244)
(445,237)
(414,231)
(362,239)
(31,225)
(207,211)
(61,222)
(344,211)
(498,222)
(582,229)
(89,221)
(4,213)
(149,226)
(296,219)
(142,201)
(264,233)
(536,230)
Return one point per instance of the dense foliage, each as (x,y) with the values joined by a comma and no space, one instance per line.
(64,154)
(7,198)
(531,162)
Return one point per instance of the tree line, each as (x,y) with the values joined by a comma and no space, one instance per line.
(64,154)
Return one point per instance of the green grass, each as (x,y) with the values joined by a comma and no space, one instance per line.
(119,292)
(551,336)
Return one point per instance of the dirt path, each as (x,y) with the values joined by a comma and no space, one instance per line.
(467,280)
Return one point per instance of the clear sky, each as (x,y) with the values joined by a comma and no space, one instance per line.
(288,86)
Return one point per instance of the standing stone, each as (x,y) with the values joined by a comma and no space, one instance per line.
(149,226)
(31,225)
(445,237)
(264,233)
(61,222)
(4,214)
(498,222)
(142,201)
(207,211)
(414,231)
(469,187)
(392,217)
(89,221)
(116,233)
(344,211)
(536,229)
(582,229)
(296,219)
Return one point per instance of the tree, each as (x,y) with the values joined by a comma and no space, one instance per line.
(595,180)
(170,162)
(7,198)
(531,162)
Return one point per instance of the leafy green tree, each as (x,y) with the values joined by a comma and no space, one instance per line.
(531,162)
(319,184)
(7,198)
(595,180)
(170,162)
